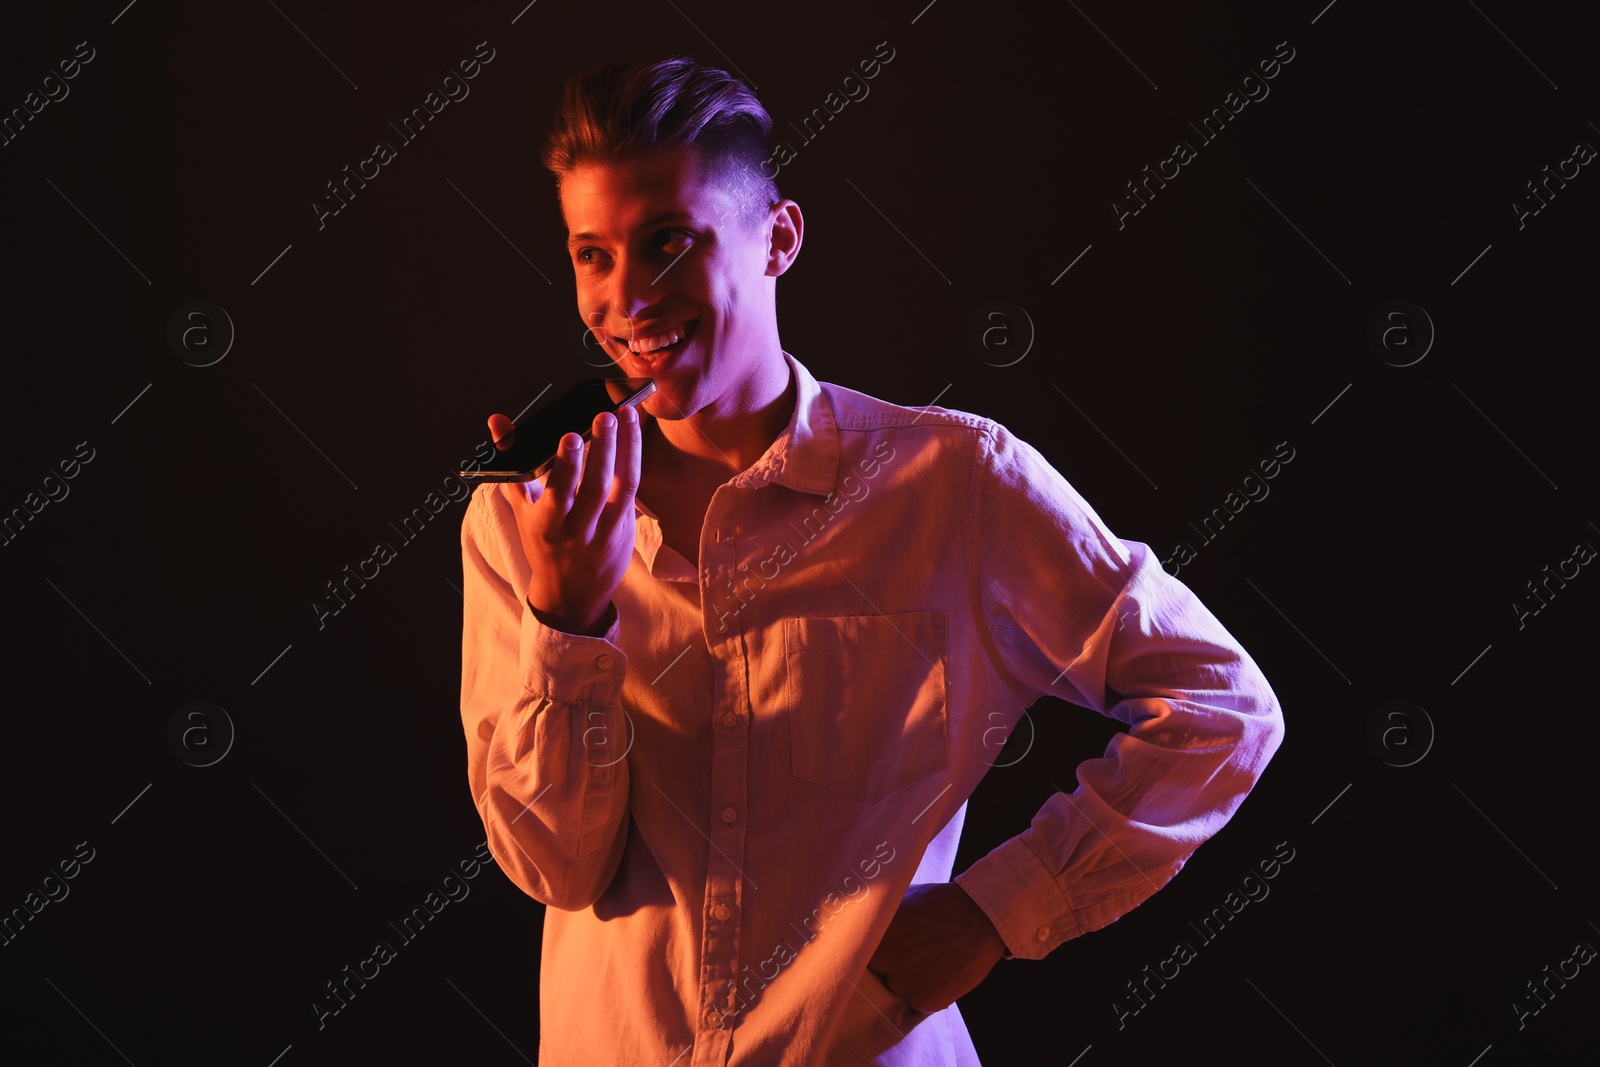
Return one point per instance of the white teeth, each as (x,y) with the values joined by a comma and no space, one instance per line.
(646,345)
(650,344)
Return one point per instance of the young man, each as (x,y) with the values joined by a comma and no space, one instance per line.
(729,679)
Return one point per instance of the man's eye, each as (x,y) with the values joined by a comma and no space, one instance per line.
(675,242)
(588,256)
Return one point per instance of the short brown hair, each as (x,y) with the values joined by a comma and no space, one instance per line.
(618,111)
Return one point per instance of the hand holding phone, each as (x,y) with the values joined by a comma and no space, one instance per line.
(577,531)
(526,451)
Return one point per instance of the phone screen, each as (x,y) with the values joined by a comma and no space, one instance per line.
(529,451)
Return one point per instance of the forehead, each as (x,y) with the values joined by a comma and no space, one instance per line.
(614,198)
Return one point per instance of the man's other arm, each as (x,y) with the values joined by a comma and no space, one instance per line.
(1076,613)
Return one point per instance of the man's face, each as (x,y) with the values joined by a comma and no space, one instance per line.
(660,252)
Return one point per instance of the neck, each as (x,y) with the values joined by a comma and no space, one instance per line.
(737,430)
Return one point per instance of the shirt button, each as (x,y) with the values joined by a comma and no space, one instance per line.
(1043,934)
(730,720)
(722,913)
(729,815)
(603,661)
(713,1019)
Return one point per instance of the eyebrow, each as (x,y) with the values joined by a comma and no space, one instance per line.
(656,220)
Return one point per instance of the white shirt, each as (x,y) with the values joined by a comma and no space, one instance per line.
(724,798)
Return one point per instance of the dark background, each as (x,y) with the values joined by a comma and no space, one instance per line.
(1229,315)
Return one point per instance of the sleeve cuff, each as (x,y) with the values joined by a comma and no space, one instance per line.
(571,667)
(1023,900)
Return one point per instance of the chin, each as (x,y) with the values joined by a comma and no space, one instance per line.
(658,406)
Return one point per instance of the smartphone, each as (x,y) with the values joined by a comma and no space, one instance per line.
(529,451)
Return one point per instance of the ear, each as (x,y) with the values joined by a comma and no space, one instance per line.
(785,230)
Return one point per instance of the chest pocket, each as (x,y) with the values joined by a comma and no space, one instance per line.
(866,700)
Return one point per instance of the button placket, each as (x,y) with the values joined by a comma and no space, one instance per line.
(729,758)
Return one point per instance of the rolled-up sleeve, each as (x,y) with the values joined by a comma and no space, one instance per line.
(1076,613)
(542,716)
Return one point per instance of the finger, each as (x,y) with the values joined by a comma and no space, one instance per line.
(596,472)
(630,460)
(502,431)
(619,507)
(563,481)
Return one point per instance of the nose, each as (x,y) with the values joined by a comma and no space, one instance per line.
(631,291)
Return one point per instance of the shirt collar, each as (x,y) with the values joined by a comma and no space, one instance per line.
(805,457)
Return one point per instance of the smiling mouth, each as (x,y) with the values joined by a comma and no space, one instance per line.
(653,349)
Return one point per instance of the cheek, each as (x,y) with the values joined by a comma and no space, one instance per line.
(590,294)
(735,298)
(702,284)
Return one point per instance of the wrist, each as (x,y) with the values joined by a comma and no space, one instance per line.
(982,931)
(584,624)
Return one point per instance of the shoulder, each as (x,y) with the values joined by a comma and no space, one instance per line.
(992,448)
(855,411)
(1005,470)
